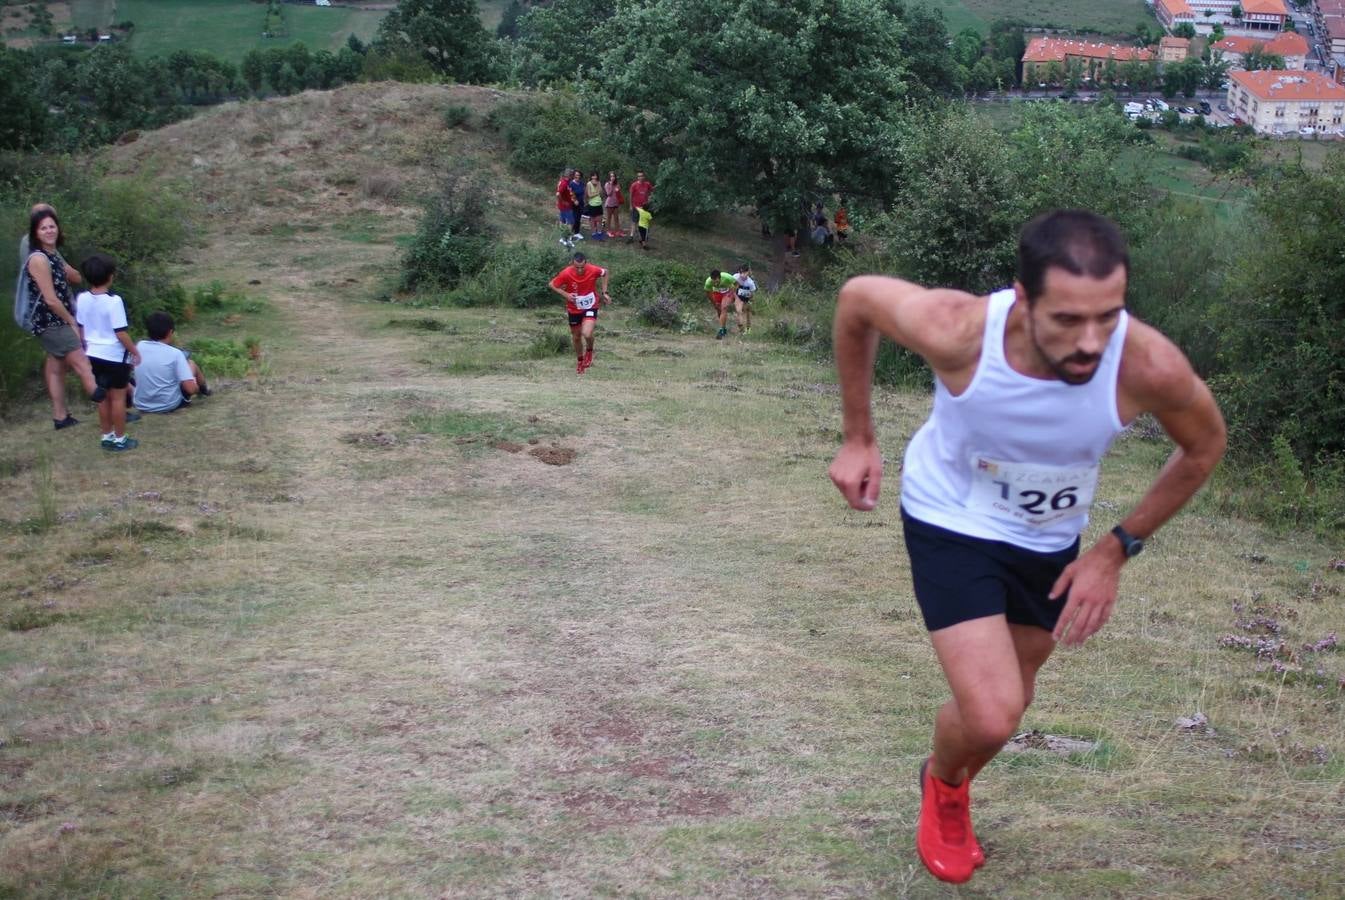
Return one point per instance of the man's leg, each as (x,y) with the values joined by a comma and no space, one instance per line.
(587,328)
(53,375)
(747,312)
(981,662)
(738,313)
(1033,646)
(577,339)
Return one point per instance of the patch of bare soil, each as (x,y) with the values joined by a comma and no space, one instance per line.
(553,456)
(508,446)
(374,439)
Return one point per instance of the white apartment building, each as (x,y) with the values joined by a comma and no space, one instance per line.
(1277,102)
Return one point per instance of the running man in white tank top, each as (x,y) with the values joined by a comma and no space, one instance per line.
(1031,385)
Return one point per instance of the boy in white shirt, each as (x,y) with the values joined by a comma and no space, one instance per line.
(102,322)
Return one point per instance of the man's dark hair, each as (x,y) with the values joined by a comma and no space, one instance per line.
(579,257)
(714,273)
(98,269)
(37,219)
(158,324)
(1078,241)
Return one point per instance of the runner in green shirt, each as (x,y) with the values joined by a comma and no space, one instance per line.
(719,288)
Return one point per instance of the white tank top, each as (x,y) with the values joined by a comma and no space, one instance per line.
(1014,458)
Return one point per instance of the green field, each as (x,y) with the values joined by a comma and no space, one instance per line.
(1105,16)
(86,14)
(230,28)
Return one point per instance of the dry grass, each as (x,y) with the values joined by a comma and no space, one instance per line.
(292,662)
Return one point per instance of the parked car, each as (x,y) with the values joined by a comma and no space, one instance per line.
(1205,108)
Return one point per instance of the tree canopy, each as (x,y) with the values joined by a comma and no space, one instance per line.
(446,34)
(755,101)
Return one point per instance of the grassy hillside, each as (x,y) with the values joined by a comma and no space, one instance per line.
(1105,16)
(417,611)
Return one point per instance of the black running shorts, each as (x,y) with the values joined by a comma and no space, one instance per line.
(579,317)
(959,578)
(110,374)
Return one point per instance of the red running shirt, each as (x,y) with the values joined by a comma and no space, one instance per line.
(639,193)
(564,196)
(572,283)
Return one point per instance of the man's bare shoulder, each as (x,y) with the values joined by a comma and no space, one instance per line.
(949,325)
(1155,374)
(940,324)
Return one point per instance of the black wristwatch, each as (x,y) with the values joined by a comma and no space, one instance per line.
(1130,545)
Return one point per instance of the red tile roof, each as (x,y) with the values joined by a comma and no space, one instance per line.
(1286,43)
(1045,49)
(1265,7)
(1279,86)
(1176,8)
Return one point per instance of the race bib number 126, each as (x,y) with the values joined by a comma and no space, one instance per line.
(1031,494)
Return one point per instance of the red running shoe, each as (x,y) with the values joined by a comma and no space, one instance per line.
(588,358)
(943,837)
(579,366)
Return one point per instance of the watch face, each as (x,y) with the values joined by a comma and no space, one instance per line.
(1134,547)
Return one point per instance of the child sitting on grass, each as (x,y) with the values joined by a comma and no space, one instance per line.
(102,322)
(166,379)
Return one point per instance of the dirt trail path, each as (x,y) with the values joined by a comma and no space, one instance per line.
(494,632)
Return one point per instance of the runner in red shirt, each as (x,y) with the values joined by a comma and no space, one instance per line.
(577,283)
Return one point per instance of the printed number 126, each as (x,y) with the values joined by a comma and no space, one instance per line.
(1061,499)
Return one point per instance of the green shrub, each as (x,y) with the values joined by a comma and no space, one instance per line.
(662,312)
(553,132)
(225,358)
(645,282)
(455,239)
(457,114)
(516,275)
(895,365)
(794,330)
(549,343)
(1282,492)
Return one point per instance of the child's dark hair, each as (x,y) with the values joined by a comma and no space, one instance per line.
(158,325)
(37,219)
(98,269)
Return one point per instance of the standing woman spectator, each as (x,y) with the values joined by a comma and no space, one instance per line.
(593,197)
(53,317)
(611,206)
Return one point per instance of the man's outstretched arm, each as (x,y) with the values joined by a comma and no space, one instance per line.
(1162,383)
(932,323)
